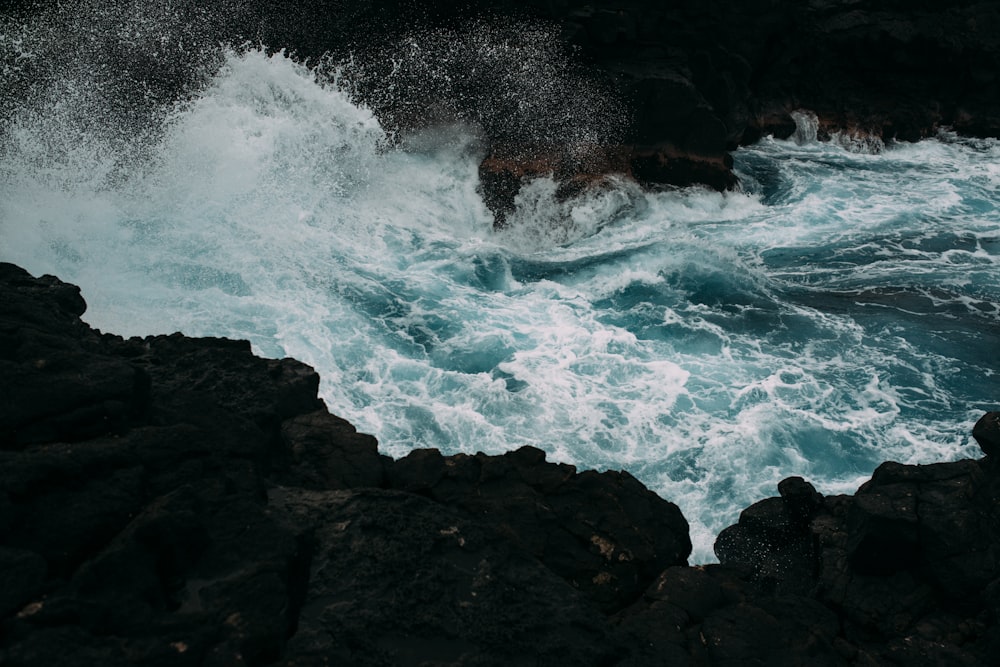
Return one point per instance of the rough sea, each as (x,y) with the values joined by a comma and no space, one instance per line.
(840,309)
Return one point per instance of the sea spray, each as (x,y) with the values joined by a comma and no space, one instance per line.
(514,82)
(806,126)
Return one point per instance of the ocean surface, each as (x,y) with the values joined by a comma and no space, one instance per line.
(842,308)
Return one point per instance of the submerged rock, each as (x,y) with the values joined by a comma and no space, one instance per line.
(220,515)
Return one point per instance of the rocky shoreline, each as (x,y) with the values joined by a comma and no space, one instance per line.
(700,79)
(696,80)
(172,500)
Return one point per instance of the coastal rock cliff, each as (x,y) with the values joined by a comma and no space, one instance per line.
(171,500)
(694,80)
(701,78)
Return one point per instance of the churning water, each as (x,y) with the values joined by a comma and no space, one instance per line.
(841,310)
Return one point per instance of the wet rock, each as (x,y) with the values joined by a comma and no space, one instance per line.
(987,433)
(228,519)
(665,164)
(702,78)
(908,555)
(774,541)
(603,532)
(507,168)
(398,579)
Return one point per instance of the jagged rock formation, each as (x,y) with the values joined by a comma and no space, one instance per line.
(171,500)
(701,78)
(180,500)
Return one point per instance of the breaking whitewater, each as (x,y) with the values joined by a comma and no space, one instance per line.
(839,310)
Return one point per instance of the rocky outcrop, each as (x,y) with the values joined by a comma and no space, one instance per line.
(178,500)
(695,79)
(170,500)
(910,563)
(701,78)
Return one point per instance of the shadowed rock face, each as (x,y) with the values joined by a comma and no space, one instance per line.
(911,562)
(181,500)
(172,500)
(701,78)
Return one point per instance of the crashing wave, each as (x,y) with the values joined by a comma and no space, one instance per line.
(806,126)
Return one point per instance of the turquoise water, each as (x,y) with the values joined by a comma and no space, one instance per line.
(841,309)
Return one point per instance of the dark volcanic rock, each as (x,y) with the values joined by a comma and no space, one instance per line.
(55,386)
(225,517)
(396,579)
(222,516)
(987,433)
(605,533)
(904,563)
(702,78)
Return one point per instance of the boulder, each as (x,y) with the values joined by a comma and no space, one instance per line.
(902,563)
(987,433)
(605,533)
